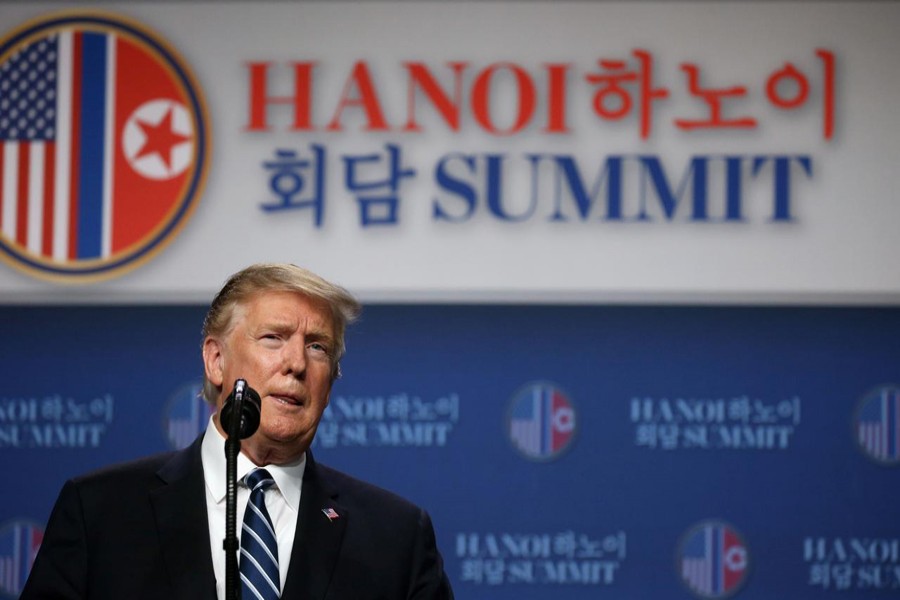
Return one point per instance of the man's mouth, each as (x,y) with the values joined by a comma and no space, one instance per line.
(287,400)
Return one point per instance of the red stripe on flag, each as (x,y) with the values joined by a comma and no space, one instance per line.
(75,146)
(561,423)
(49,183)
(732,565)
(22,193)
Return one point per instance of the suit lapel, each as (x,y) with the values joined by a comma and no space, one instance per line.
(183,525)
(317,541)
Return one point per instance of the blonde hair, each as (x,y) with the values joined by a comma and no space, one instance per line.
(270,277)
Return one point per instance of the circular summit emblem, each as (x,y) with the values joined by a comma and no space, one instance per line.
(713,560)
(19,544)
(186,415)
(541,421)
(877,425)
(103,146)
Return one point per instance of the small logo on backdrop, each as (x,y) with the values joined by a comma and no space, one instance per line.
(713,560)
(541,421)
(19,544)
(103,146)
(186,415)
(877,425)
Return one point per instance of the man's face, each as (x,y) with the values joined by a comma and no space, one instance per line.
(282,343)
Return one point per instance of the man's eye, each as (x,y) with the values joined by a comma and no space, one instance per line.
(317,347)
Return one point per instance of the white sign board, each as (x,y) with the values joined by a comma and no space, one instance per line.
(503,151)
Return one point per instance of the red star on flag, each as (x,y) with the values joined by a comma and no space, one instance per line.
(161,139)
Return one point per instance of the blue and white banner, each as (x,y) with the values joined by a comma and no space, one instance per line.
(705,452)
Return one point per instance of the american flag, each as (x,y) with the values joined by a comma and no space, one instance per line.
(528,423)
(878,426)
(33,126)
(704,563)
(701,562)
(188,416)
(19,544)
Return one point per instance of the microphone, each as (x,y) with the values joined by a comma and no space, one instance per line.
(239,418)
(246,401)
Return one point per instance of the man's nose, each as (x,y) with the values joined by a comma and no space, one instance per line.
(295,357)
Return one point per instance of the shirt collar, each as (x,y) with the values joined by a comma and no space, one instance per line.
(288,477)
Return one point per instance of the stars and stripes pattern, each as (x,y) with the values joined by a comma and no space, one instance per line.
(19,544)
(701,565)
(260,577)
(188,416)
(878,425)
(35,118)
(713,560)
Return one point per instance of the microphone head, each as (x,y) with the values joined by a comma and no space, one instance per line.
(250,406)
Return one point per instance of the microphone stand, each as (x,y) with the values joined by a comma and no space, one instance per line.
(232,449)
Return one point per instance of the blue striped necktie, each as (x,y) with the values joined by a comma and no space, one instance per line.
(260,579)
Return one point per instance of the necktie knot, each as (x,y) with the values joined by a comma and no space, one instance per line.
(258,479)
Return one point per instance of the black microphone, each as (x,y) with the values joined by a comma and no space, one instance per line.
(239,418)
(248,402)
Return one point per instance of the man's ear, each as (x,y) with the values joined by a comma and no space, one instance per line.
(212,361)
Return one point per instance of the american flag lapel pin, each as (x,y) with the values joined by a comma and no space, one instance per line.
(330,513)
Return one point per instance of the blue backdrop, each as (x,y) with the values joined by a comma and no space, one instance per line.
(682,451)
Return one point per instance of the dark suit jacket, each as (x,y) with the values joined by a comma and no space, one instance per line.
(140,530)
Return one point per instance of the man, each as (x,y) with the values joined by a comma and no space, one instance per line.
(154,528)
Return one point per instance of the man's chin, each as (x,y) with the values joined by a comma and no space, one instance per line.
(275,445)
(279,430)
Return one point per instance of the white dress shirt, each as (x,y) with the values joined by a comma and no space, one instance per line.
(282,501)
